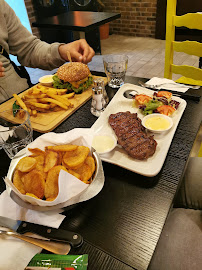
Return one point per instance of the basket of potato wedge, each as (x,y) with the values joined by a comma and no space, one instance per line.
(55,174)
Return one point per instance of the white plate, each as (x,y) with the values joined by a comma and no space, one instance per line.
(118,156)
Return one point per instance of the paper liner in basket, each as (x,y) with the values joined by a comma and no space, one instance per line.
(71,189)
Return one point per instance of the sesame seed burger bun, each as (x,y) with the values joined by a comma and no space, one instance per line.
(73,72)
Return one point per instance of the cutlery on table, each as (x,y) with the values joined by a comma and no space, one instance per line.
(21,227)
(52,246)
(194,97)
(155,86)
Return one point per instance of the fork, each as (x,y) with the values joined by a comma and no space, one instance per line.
(174,83)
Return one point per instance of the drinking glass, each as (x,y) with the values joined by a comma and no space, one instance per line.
(115,68)
(15,132)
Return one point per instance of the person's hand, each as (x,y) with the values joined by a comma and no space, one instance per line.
(2,74)
(79,50)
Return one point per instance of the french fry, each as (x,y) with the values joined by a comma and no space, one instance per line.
(51,100)
(20,102)
(70,95)
(61,91)
(34,96)
(59,98)
(21,114)
(34,113)
(40,105)
(40,98)
(27,101)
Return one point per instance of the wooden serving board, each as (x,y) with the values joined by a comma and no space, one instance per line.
(46,122)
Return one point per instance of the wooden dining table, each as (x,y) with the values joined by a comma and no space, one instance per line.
(83,22)
(121,226)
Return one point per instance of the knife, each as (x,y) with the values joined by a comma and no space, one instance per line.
(60,248)
(21,227)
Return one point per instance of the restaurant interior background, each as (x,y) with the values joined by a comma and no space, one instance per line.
(140,32)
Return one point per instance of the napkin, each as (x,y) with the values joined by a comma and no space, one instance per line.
(15,253)
(10,209)
(4,135)
(162,83)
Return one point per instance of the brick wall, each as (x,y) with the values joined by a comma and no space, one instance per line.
(138,17)
(31,15)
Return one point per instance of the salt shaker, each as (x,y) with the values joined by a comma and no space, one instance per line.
(99,97)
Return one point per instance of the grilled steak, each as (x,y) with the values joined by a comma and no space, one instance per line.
(132,135)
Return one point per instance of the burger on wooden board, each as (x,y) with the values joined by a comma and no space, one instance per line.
(74,76)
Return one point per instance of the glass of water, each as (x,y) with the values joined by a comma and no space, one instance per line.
(115,68)
(15,132)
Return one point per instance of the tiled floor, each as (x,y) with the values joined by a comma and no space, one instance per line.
(146,56)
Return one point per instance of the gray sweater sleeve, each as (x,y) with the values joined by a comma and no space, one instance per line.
(30,51)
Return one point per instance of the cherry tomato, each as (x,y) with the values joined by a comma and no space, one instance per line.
(142,99)
(165,94)
(166,109)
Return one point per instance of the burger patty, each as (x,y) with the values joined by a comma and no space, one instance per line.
(132,135)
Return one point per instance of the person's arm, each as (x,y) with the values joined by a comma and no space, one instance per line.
(33,52)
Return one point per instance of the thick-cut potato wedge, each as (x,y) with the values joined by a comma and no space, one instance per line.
(51,199)
(60,155)
(20,102)
(34,183)
(51,186)
(91,163)
(73,159)
(36,151)
(85,172)
(74,174)
(51,160)
(51,100)
(32,195)
(26,164)
(40,165)
(17,181)
(62,147)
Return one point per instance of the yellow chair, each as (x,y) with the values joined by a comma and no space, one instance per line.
(191,75)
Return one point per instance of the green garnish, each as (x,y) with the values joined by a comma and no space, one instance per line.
(15,108)
(151,106)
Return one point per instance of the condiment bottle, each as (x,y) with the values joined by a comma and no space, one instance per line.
(99,97)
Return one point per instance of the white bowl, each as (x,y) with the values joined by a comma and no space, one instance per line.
(46,80)
(160,122)
(104,143)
